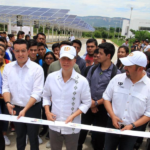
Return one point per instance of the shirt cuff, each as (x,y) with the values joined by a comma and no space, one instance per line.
(84,108)
(5,90)
(36,97)
(46,102)
(106,97)
(147,114)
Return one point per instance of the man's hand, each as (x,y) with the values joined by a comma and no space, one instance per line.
(21,113)
(69,119)
(128,127)
(115,121)
(93,104)
(50,116)
(94,110)
(10,108)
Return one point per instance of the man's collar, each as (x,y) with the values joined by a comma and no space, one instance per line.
(74,75)
(143,79)
(26,64)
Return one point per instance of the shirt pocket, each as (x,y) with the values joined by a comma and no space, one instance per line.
(139,102)
(120,94)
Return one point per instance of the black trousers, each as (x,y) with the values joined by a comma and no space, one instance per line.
(2,142)
(97,119)
(23,129)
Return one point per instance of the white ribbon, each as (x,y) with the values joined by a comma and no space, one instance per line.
(74,125)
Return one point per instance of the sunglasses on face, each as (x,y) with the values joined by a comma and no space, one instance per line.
(50,58)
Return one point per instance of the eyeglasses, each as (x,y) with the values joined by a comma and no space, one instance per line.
(50,58)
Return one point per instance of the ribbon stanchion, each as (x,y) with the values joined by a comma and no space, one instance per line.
(73,125)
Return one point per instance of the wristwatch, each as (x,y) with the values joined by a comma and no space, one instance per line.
(96,103)
(133,125)
(7,102)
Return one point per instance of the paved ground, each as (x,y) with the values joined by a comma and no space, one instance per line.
(87,145)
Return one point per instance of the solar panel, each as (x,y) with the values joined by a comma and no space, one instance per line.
(13,12)
(43,9)
(63,11)
(37,13)
(34,9)
(58,15)
(47,14)
(27,13)
(4,11)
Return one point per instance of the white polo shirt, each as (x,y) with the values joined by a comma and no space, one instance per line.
(66,98)
(23,82)
(129,101)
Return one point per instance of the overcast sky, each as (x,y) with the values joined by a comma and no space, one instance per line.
(107,8)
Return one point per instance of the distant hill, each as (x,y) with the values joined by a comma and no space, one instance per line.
(99,21)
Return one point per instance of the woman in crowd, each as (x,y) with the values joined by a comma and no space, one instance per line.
(123,51)
(48,59)
(27,38)
(11,40)
(3,63)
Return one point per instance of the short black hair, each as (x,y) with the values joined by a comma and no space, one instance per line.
(32,43)
(55,45)
(127,40)
(10,35)
(2,39)
(26,37)
(4,32)
(21,32)
(96,51)
(147,41)
(41,34)
(108,49)
(20,41)
(41,44)
(104,40)
(65,43)
(78,42)
(92,41)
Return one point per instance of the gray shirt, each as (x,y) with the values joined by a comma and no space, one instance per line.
(99,81)
(81,63)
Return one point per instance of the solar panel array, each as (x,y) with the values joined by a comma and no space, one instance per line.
(56,17)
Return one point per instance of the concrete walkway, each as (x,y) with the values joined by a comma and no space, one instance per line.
(87,145)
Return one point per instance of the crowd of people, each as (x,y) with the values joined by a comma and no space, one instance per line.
(60,85)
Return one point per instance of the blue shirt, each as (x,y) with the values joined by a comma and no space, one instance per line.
(40,60)
(99,81)
(6,56)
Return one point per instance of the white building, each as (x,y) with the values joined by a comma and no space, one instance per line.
(15,29)
(136,24)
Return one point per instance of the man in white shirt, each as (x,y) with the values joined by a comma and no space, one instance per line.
(72,37)
(126,43)
(127,101)
(70,96)
(147,46)
(22,88)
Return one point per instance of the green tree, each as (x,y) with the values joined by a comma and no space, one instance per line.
(112,29)
(140,35)
(104,34)
(97,34)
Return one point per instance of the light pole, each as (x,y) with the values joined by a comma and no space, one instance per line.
(130,22)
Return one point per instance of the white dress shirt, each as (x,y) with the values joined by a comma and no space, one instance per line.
(72,38)
(129,101)
(23,82)
(146,48)
(66,98)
